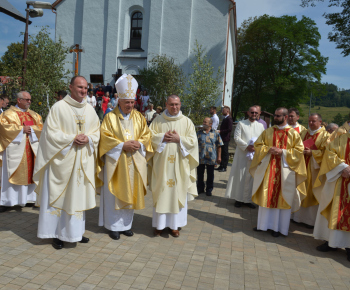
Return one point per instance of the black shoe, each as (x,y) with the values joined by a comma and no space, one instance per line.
(275,234)
(309,227)
(238,204)
(84,240)
(114,235)
(222,170)
(29,204)
(256,229)
(208,193)
(348,253)
(57,244)
(200,191)
(128,233)
(3,208)
(325,248)
(250,205)
(219,168)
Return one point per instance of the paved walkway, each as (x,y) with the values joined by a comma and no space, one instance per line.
(216,250)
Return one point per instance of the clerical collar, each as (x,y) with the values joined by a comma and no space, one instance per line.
(171,116)
(125,116)
(23,110)
(314,132)
(282,127)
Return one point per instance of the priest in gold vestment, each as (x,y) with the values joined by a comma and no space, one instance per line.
(279,172)
(333,217)
(172,169)
(345,128)
(293,117)
(65,167)
(20,130)
(313,158)
(122,170)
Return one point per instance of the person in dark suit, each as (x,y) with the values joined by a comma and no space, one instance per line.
(225,133)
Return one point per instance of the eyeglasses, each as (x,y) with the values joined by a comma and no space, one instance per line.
(254,112)
(27,100)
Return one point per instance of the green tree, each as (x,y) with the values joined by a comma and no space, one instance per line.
(163,77)
(45,74)
(203,84)
(277,58)
(340,22)
(339,119)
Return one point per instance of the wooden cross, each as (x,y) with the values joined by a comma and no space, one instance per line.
(171,159)
(76,49)
(80,122)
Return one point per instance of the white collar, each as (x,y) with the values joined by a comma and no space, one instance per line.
(23,110)
(314,132)
(282,127)
(171,116)
(125,116)
(296,125)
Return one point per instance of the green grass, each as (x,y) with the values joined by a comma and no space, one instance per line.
(327,113)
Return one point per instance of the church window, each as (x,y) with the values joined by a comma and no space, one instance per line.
(136,30)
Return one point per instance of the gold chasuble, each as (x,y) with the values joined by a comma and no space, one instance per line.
(173,177)
(70,168)
(345,128)
(336,208)
(276,185)
(127,177)
(320,139)
(20,157)
(299,128)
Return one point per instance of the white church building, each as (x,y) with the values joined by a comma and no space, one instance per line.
(122,36)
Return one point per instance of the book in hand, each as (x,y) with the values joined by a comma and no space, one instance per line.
(28,123)
(309,143)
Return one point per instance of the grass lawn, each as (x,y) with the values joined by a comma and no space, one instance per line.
(327,113)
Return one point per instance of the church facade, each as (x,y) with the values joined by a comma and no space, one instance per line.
(122,36)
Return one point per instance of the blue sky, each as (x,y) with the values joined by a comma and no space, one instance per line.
(337,68)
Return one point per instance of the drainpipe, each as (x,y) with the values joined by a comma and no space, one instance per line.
(227,40)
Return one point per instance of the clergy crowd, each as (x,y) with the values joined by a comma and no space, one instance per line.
(291,173)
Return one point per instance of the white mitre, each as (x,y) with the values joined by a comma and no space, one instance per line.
(126,87)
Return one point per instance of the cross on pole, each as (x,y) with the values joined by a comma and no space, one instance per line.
(76,49)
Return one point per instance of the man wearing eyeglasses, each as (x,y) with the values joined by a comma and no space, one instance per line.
(279,172)
(240,182)
(20,130)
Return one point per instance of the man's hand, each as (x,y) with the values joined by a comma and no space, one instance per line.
(27,129)
(218,160)
(131,146)
(171,137)
(250,148)
(276,151)
(81,140)
(346,172)
(307,151)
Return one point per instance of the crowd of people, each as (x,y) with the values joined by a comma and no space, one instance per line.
(288,171)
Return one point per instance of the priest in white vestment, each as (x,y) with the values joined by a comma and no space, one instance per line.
(313,154)
(293,117)
(65,167)
(279,172)
(333,218)
(172,169)
(122,169)
(240,183)
(20,130)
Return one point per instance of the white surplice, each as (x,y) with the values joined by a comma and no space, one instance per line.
(335,238)
(112,219)
(240,183)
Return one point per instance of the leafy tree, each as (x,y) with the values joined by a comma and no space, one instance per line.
(339,119)
(162,78)
(203,84)
(277,58)
(45,74)
(340,22)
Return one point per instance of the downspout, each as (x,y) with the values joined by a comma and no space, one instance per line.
(227,40)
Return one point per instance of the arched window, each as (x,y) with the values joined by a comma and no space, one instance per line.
(136,30)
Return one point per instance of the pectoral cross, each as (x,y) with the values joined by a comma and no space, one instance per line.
(80,122)
(127,134)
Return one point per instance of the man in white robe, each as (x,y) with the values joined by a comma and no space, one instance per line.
(172,169)
(125,140)
(293,117)
(20,130)
(240,183)
(214,117)
(279,172)
(65,167)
